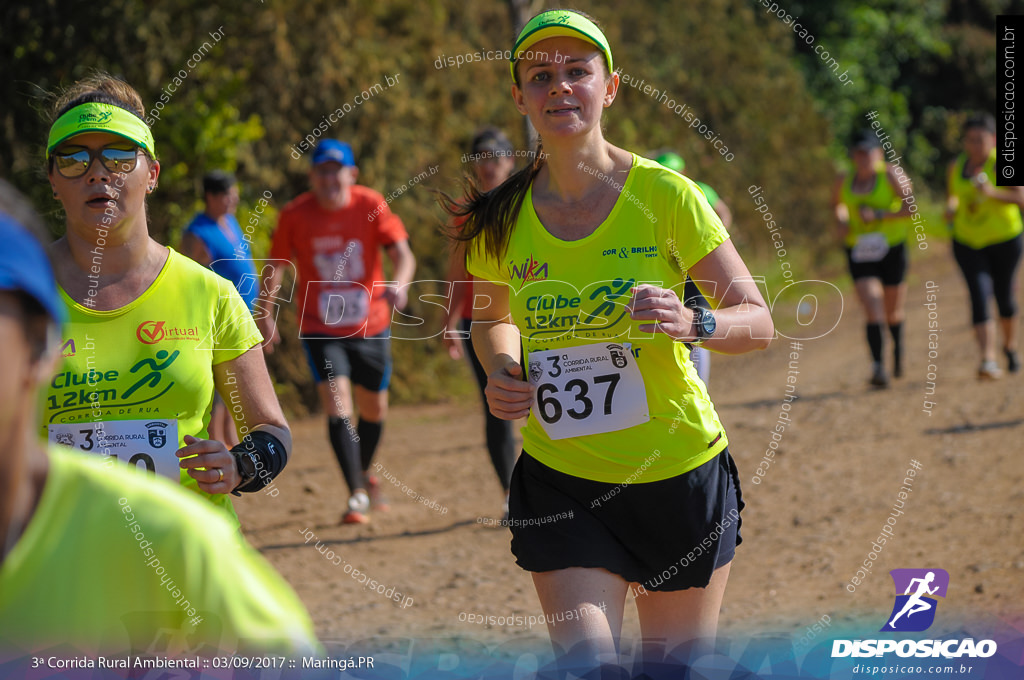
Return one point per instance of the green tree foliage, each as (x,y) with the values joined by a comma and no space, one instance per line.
(736,75)
(923,65)
(280,67)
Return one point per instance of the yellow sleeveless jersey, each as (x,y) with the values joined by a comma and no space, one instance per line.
(614,403)
(135,380)
(881,197)
(981,221)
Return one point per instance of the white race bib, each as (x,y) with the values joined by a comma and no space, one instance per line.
(144,444)
(588,389)
(344,306)
(870,248)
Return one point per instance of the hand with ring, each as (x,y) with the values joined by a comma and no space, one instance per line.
(209,463)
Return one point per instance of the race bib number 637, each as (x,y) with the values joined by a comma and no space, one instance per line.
(590,389)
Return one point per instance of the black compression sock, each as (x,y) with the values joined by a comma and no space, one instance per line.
(875,341)
(346,451)
(896,331)
(369,437)
(501,447)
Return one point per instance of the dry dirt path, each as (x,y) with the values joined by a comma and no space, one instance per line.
(806,528)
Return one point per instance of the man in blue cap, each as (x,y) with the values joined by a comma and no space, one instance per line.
(334,235)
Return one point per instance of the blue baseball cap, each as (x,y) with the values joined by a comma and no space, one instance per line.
(24,267)
(332,150)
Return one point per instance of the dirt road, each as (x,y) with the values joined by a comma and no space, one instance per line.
(807,527)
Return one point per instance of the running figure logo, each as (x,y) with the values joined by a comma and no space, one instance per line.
(98,118)
(914,610)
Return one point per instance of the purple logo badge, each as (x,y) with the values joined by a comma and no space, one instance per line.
(916,590)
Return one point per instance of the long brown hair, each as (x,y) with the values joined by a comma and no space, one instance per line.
(492,213)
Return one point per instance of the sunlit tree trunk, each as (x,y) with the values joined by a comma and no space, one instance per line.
(520,12)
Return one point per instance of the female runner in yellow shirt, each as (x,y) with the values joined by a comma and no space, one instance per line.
(987,242)
(150,333)
(567,250)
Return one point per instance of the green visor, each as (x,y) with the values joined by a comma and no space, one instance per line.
(97,117)
(559,23)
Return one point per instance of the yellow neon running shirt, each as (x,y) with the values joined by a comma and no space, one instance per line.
(150,362)
(565,294)
(881,197)
(110,562)
(981,221)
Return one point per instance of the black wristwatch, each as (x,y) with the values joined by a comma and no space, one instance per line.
(704,323)
(246,467)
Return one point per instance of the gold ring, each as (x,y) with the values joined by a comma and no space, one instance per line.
(220,471)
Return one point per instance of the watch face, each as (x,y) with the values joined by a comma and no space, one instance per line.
(246,465)
(708,323)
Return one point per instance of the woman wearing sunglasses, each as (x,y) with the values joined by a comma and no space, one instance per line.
(150,333)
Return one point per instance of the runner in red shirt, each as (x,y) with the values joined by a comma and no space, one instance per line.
(334,235)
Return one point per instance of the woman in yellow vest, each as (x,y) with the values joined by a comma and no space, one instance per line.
(150,333)
(96,558)
(871,206)
(987,226)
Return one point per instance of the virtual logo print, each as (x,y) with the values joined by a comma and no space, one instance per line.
(914,609)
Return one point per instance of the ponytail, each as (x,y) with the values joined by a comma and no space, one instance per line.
(492,214)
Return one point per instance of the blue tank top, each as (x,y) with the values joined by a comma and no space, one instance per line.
(229,252)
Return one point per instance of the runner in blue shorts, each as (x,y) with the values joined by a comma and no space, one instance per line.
(334,234)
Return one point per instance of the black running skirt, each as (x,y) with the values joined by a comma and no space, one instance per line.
(666,535)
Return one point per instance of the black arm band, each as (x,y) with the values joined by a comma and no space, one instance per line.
(271,457)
